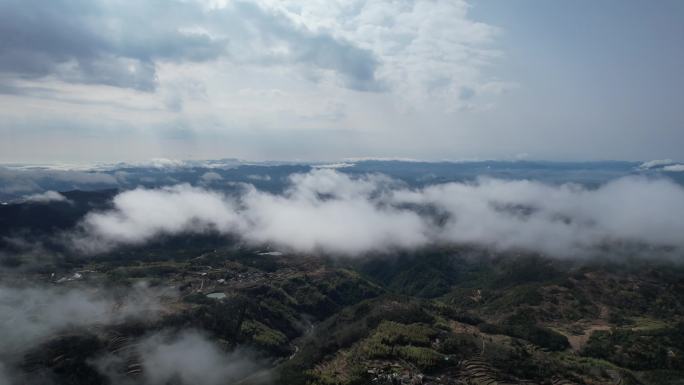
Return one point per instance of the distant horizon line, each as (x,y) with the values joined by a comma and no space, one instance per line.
(337,163)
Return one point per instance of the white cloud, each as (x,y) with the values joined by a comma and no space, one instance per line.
(46,197)
(143,214)
(334,165)
(420,60)
(210,177)
(560,220)
(259,177)
(164,163)
(656,163)
(328,211)
(674,168)
(100,43)
(191,358)
(259,79)
(667,165)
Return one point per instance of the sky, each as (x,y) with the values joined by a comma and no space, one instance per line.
(105,80)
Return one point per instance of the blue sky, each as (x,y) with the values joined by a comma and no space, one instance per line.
(106,80)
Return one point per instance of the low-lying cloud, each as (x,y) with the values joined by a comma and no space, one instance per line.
(559,220)
(667,165)
(143,214)
(30,314)
(46,197)
(674,168)
(333,212)
(191,358)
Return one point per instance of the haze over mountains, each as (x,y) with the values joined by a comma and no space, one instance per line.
(562,209)
(436,192)
(19,180)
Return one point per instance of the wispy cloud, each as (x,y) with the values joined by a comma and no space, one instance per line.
(184,358)
(656,163)
(48,196)
(187,357)
(35,313)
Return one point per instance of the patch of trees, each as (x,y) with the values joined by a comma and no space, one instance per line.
(522,325)
(639,349)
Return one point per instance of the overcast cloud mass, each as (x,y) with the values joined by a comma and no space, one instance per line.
(328,211)
(326,80)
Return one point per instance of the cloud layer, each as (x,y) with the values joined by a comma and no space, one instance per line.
(559,220)
(160,76)
(367,44)
(333,79)
(112,43)
(332,212)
